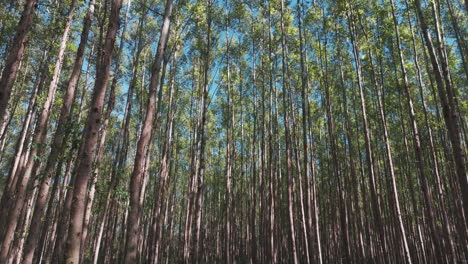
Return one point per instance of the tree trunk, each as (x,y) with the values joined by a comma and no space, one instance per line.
(90,137)
(39,138)
(448,107)
(15,56)
(369,154)
(57,142)
(143,144)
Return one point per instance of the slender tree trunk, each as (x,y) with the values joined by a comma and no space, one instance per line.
(15,56)
(67,187)
(252,243)
(354,179)
(10,114)
(143,144)
(394,190)
(193,170)
(305,114)
(104,128)
(289,168)
(435,162)
(21,143)
(202,139)
(91,134)
(164,170)
(417,145)
(272,245)
(450,113)
(229,151)
(369,154)
(57,142)
(336,164)
(39,138)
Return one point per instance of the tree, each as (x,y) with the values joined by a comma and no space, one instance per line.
(90,137)
(143,143)
(15,56)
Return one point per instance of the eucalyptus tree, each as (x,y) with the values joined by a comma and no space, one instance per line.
(230,131)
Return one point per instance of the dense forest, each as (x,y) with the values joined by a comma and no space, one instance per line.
(231,131)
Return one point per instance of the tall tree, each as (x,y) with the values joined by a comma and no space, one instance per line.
(15,56)
(40,132)
(131,252)
(90,138)
(57,142)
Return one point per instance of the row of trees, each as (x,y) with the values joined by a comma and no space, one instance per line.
(147,131)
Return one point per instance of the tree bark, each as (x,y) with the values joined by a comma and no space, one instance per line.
(369,154)
(39,138)
(90,137)
(15,56)
(57,142)
(143,144)
(448,108)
